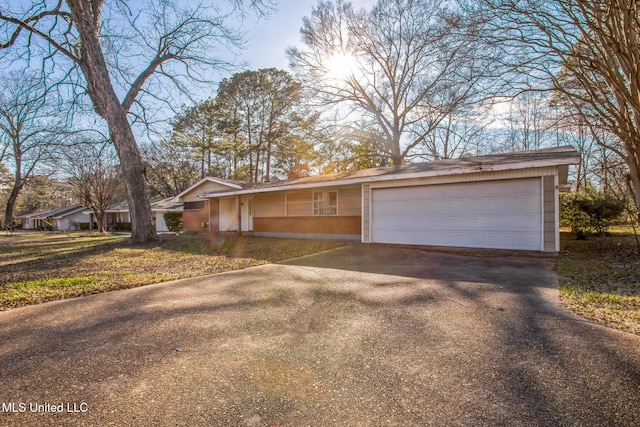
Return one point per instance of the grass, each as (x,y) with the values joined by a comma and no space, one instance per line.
(40,267)
(600,278)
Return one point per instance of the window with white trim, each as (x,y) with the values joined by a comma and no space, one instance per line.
(325,203)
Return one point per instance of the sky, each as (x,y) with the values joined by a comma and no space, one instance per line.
(268,39)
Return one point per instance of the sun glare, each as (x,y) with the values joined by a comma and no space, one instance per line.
(340,66)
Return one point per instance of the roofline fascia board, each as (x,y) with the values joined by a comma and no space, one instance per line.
(396,177)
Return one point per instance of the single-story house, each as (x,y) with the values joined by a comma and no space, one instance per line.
(502,201)
(118,213)
(66,218)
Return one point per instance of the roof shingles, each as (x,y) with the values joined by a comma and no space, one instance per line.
(556,155)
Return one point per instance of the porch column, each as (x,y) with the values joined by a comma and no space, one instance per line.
(239,207)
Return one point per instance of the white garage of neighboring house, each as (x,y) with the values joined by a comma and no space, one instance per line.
(159,208)
(66,218)
(499,201)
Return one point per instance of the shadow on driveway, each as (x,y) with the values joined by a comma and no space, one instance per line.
(362,335)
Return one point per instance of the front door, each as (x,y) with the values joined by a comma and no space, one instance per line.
(247,214)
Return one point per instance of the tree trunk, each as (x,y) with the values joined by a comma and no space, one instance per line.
(133,172)
(202,172)
(396,158)
(11,202)
(17,186)
(99,214)
(108,106)
(267,164)
(634,173)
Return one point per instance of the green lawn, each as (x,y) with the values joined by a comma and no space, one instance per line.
(39,267)
(600,279)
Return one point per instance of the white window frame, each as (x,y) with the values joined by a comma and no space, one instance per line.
(324,198)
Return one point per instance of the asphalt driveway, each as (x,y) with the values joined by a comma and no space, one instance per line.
(362,335)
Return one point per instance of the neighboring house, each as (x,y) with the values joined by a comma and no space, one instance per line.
(502,201)
(67,218)
(27,221)
(114,214)
(119,213)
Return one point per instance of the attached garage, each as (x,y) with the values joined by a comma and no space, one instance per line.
(498,201)
(505,214)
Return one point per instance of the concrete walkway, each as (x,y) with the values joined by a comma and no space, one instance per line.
(359,336)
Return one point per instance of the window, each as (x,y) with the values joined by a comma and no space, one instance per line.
(193,206)
(325,203)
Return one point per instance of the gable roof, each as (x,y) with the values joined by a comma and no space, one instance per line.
(232,184)
(55,213)
(168,204)
(557,156)
(118,207)
(69,210)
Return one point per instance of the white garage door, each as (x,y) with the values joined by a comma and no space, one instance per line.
(160,224)
(492,214)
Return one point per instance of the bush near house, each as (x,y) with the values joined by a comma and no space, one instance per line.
(589,212)
(173,220)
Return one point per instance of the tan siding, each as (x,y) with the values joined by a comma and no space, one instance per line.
(299,203)
(549,203)
(268,205)
(366,194)
(349,202)
(228,214)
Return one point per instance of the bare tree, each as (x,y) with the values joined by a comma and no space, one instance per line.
(404,65)
(529,121)
(122,54)
(462,133)
(95,177)
(584,50)
(30,132)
